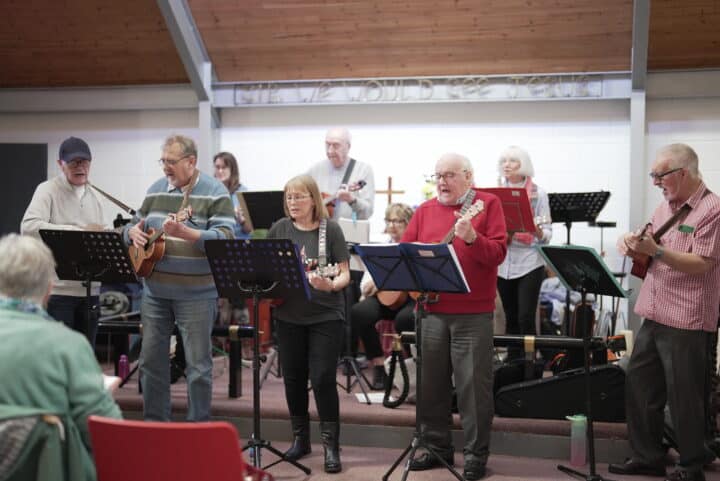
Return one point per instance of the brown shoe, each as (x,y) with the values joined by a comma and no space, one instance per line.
(632,466)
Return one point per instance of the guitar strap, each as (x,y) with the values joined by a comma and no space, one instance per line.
(112,199)
(187,190)
(678,216)
(348,172)
(322,243)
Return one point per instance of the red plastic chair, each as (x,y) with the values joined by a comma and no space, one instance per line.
(153,451)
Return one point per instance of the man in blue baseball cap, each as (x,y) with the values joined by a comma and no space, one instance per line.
(67,203)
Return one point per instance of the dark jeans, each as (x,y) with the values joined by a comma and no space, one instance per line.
(365,314)
(72,311)
(667,366)
(520,299)
(311,352)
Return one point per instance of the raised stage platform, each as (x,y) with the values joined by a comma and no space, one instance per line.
(374,425)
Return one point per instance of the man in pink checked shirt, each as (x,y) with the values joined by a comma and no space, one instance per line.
(679,301)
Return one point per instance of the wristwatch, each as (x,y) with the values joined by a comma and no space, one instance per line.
(658,253)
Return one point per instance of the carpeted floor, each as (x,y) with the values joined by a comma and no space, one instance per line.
(373,436)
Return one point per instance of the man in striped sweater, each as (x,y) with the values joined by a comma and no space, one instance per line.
(180,288)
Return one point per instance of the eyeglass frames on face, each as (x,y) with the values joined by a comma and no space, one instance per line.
(172,161)
(438,176)
(77,162)
(654,176)
(394,221)
(296,197)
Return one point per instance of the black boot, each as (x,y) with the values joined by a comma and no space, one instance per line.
(330,433)
(379,376)
(301,438)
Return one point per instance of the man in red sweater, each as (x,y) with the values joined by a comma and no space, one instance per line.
(457,331)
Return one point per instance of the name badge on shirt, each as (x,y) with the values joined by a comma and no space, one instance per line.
(686,229)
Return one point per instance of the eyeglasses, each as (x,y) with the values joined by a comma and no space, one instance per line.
(296,197)
(655,176)
(437,177)
(394,221)
(172,161)
(77,162)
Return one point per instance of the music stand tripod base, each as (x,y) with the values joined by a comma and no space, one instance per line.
(348,362)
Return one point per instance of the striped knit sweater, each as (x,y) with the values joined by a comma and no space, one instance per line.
(184,272)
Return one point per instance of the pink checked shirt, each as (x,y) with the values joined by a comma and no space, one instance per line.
(675,299)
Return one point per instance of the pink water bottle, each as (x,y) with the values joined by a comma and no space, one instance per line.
(123,367)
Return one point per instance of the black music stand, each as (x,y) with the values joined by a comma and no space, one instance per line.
(425,268)
(569,207)
(89,256)
(258,269)
(581,269)
(262,208)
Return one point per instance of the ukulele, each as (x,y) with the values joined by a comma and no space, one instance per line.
(330,200)
(143,259)
(641,262)
(398,298)
(328,271)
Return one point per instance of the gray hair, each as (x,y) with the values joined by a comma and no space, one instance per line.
(186,143)
(27,268)
(684,156)
(340,132)
(516,153)
(464,161)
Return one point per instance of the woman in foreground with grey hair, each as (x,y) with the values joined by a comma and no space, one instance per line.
(45,366)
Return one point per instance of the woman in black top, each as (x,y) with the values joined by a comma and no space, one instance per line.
(310,332)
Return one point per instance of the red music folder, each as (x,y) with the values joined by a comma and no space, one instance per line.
(516,206)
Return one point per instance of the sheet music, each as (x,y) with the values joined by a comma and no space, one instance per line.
(355,232)
(110,383)
(411,266)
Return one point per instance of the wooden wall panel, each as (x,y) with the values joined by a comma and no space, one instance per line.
(315,39)
(684,34)
(49,43)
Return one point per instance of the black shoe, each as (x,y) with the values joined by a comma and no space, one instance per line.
(474,470)
(631,466)
(683,475)
(379,376)
(301,438)
(330,432)
(428,461)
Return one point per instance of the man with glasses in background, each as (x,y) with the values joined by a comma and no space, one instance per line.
(679,301)
(190,207)
(457,332)
(67,203)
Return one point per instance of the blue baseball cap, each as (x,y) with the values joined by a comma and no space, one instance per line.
(74,148)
